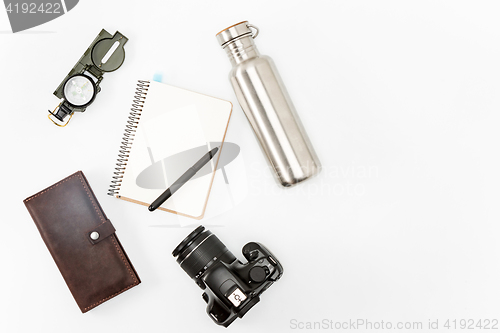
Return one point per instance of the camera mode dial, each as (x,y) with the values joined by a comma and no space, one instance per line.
(258,274)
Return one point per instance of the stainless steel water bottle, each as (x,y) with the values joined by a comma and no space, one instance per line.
(268,107)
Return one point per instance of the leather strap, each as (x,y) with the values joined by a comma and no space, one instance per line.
(103,231)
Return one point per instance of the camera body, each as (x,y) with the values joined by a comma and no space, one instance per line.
(231,287)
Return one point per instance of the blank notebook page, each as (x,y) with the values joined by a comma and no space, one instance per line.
(176,128)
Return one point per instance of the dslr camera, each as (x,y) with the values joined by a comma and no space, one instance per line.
(231,288)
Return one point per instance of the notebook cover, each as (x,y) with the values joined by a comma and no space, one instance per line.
(66,214)
(170,129)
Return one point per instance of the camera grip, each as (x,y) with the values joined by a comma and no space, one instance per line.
(219,312)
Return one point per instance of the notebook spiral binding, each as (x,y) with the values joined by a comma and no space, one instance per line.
(128,137)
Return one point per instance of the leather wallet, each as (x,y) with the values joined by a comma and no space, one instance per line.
(82,241)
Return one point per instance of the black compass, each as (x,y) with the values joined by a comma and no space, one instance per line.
(80,87)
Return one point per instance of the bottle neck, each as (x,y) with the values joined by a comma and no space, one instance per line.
(241,49)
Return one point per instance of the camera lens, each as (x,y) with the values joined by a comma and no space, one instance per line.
(188,240)
(199,250)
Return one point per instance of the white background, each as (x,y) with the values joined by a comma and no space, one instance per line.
(400,100)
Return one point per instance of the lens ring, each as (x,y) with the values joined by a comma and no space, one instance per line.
(189,239)
(198,256)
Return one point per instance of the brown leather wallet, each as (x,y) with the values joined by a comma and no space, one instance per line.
(82,241)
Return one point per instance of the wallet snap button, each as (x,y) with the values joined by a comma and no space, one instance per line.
(94,235)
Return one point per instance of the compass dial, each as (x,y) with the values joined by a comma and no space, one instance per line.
(79,90)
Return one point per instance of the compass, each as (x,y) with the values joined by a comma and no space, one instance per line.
(82,84)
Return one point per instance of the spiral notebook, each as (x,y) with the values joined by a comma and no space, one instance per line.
(168,131)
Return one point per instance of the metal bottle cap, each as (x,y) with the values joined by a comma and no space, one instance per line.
(242,29)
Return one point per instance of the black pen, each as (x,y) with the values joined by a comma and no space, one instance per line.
(183,179)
